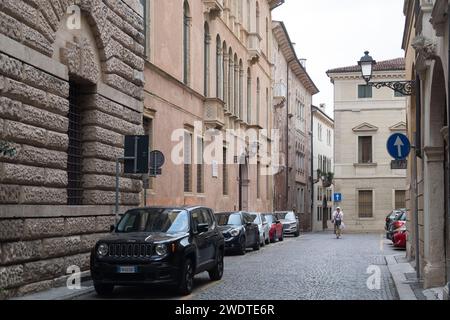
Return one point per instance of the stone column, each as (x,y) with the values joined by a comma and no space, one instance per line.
(236,89)
(241,94)
(434,213)
(231,86)
(219,72)
(225,81)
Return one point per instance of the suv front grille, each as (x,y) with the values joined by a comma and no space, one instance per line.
(123,250)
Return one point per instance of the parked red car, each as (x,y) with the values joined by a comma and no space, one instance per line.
(276,228)
(399,238)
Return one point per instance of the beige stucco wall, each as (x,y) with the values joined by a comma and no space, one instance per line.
(173,105)
(381,112)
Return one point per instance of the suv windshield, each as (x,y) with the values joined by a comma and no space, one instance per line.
(233,219)
(290,216)
(256,218)
(154,220)
(269,218)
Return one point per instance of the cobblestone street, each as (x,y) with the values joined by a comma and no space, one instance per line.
(312,267)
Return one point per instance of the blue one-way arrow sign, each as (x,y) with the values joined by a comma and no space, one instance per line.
(398,146)
(337,197)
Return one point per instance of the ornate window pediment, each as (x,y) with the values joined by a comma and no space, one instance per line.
(365,127)
(401,126)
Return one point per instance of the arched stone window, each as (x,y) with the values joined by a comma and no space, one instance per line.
(249,96)
(186,42)
(236,85)
(225,75)
(249,15)
(206,62)
(219,68)
(258,14)
(241,90)
(230,81)
(258,100)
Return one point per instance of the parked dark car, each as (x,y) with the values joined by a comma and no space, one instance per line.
(291,224)
(239,231)
(390,217)
(396,223)
(276,228)
(159,246)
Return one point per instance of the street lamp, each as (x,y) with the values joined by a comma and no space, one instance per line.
(406,88)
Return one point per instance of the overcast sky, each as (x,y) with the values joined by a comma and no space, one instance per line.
(335,33)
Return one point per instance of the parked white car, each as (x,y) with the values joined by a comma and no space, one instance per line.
(263,226)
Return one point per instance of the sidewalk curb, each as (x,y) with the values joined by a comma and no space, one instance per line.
(61,292)
(398,271)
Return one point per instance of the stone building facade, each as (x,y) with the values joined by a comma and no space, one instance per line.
(426,45)
(323,160)
(293,92)
(364,118)
(71,85)
(209,68)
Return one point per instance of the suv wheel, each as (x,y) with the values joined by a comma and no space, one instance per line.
(297,234)
(187,278)
(257,245)
(103,289)
(243,248)
(217,273)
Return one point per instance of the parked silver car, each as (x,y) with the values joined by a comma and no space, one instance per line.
(263,226)
(290,221)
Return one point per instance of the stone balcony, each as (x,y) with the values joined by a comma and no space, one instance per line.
(214,117)
(213,7)
(279,93)
(254,47)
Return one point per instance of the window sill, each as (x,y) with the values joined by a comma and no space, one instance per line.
(365,165)
(366,219)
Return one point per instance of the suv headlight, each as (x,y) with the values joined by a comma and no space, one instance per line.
(234,232)
(161,250)
(102,250)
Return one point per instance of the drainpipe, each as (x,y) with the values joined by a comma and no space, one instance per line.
(312,167)
(448,153)
(287,139)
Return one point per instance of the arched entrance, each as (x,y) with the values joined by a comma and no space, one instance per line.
(434,181)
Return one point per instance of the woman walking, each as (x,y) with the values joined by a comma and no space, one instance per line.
(338,221)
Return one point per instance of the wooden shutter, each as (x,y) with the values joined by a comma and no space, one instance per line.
(365,204)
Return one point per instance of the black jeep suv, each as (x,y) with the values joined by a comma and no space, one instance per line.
(159,246)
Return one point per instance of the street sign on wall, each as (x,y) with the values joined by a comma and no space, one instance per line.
(338,197)
(398,146)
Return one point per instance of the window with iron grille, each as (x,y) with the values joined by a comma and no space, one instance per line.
(400,199)
(74,152)
(187,162)
(365,203)
(225,173)
(200,166)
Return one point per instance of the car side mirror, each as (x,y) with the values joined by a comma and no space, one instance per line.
(278,222)
(203,227)
(112,228)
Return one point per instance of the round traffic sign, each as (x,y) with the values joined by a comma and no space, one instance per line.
(157,159)
(398,146)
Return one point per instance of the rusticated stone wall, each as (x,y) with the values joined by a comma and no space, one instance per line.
(40,58)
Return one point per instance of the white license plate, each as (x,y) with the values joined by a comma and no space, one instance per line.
(127,269)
